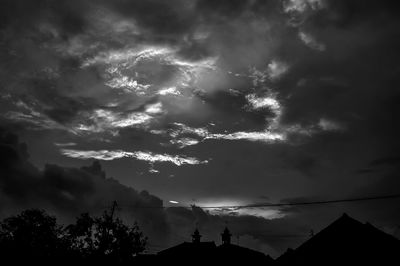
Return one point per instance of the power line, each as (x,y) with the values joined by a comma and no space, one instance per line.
(308,202)
(261,205)
(281,236)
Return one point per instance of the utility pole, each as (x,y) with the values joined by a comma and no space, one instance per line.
(106,238)
(113,207)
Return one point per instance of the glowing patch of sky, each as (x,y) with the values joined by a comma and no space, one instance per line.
(302,6)
(103,120)
(215,207)
(263,102)
(127,83)
(150,157)
(169,91)
(155,108)
(276,69)
(184,142)
(329,125)
(311,42)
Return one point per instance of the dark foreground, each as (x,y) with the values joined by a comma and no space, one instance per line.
(98,242)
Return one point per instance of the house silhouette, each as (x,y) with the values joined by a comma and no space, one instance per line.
(344,242)
(201,253)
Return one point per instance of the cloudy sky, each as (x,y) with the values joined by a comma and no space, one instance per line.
(212,103)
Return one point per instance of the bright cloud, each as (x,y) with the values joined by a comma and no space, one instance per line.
(263,102)
(169,91)
(204,134)
(105,155)
(155,108)
(302,6)
(151,157)
(264,136)
(208,63)
(102,120)
(128,56)
(276,69)
(311,42)
(184,142)
(108,155)
(231,207)
(265,213)
(127,83)
(184,129)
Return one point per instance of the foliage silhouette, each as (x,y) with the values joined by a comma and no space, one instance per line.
(34,235)
(105,236)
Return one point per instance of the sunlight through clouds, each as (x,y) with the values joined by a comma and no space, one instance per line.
(127,83)
(169,91)
(218,103)
(263,136)
(311,42)
(214,206)
(263,102)
(276,69)
(301,6)
(108,155)
(102,120)
(155,108)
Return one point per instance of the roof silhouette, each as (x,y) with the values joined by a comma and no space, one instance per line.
(189,248)
(346,240)
(200,253)
(239,253)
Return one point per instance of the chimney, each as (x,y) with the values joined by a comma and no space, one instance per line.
(226,237)
(196,236)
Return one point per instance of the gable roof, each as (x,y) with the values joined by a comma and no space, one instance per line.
(189,247)
(235,252)
(346,239)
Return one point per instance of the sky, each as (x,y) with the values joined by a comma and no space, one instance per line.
(201,102)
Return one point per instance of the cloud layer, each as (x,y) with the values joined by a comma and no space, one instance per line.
(230,100)
(139,155)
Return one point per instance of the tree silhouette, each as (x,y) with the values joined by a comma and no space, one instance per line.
(106,237)
(32,233)
(35,235)
(81,235)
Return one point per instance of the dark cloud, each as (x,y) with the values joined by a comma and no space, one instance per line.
(71,191)
(24,14)
(235,104)
(349,13)
(68,191)
(391,160)
(153,14)
(119,76)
